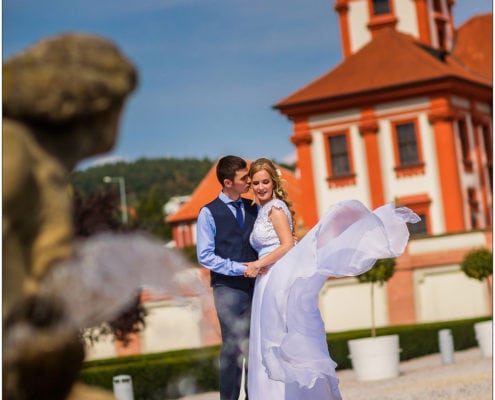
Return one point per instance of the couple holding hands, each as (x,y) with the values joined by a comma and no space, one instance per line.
(266,287)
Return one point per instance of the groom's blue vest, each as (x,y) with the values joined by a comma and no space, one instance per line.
(232,242)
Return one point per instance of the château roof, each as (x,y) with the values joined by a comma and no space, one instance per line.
(473,45)
(393,60)
(209,188)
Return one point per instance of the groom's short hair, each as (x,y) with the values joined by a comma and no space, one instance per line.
(227,167)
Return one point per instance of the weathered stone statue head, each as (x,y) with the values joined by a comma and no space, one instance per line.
(69,91)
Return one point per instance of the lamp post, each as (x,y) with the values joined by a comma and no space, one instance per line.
(123,200)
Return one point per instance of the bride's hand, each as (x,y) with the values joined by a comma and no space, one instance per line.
(264,270)
(252,270)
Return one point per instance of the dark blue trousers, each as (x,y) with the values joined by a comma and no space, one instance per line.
(233,307)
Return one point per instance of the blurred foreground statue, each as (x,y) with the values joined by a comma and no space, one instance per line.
(61,103)
(62,100)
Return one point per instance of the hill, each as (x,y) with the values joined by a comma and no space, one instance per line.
(167,177)
(149,184)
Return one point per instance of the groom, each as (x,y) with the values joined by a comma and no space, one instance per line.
(223,230)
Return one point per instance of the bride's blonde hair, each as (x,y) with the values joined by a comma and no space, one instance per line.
(279,191)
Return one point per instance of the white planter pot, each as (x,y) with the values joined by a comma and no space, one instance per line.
(375,358)
(483,331)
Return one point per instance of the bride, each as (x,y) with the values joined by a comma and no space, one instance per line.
(288,352)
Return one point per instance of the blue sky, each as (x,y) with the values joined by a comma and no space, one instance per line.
(210,70)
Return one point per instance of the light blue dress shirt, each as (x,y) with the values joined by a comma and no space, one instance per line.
(205,242)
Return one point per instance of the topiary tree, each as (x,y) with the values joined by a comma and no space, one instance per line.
(478,264)
(381,272)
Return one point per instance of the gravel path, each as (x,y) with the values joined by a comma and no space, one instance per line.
(469,377)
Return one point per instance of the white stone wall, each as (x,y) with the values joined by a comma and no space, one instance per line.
(441,294)
(358,20)
(104,348)
(407,22)
(172,325)
(345,304)
(446,293)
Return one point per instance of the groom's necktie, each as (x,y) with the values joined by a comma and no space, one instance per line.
(238,213)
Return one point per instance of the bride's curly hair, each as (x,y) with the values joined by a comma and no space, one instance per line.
(279,191)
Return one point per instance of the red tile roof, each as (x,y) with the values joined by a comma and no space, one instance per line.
(473,45)
(391,60)
(209,188)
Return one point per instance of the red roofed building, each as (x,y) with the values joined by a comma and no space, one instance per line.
(405,117)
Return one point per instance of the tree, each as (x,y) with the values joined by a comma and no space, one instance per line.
(95,213)
(478,264)
(382,271)
(150,214)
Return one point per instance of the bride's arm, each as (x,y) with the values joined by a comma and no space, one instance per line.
(280,223)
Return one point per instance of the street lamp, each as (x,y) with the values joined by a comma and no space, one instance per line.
(123,200)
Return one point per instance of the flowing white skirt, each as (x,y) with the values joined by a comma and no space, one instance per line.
(288,352)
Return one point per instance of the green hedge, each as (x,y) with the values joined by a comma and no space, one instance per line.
(174,374)
(159,376)
(414,340)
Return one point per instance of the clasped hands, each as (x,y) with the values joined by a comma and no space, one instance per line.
(253,270)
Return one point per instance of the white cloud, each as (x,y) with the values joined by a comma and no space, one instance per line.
(289,159)
(101,160)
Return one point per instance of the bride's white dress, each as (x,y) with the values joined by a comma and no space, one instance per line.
(288,352)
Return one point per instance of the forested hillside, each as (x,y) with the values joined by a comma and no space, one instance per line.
(149,184)
(166,176)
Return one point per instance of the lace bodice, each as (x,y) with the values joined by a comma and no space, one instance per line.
(263,237)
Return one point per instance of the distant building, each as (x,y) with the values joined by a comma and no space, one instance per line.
(174,204)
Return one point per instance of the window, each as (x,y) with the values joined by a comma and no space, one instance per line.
(487,142)
(381,7)
(419,228)
(437,5)
(339,164)
(406,141)
(473,208)
(420,204)
(407,148)
(381,13)
(441,35)
(339,156)
(465,147)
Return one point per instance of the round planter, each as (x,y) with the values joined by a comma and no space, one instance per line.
(483,331)
(375,358)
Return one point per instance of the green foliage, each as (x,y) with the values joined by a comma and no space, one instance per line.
(381,272)
(174,374)
(190,253)
(149,184)
(478,264)
(169,176)
(415,340)
(96,212)
(159,376)
(151,216)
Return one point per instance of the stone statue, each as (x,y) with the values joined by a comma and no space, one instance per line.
(62,99)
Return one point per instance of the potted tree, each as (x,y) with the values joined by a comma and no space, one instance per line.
(375,357)
(478,264)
